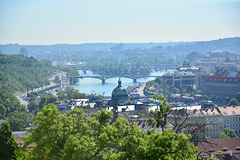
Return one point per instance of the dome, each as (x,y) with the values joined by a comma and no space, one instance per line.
(119,90)
(119,94)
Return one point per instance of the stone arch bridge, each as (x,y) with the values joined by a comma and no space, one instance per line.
(103,78)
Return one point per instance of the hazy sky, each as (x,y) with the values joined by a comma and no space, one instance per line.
(89,21)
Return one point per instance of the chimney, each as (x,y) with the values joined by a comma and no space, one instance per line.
(230,152)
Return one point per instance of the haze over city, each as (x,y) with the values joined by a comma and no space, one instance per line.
(74,22)
(120,79)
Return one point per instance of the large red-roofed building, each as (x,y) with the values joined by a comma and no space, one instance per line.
(223,83)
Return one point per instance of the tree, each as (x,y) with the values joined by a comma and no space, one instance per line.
(46,99)
(19,120)
(237,96)
(61,94)
(228,133)
(8,100)
(70,93)
(233,102)
(2,111)
(71,135)
(8,145)
(161,112)
(33,106)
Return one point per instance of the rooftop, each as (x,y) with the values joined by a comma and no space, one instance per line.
(223,145)
(230,111)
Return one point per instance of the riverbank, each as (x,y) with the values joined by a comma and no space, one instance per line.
(22,96)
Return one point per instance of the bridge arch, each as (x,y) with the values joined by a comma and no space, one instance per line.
(103,78)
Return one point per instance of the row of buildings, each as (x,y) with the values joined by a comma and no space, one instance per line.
(224,82)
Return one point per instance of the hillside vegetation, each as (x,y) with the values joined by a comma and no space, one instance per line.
(18,72)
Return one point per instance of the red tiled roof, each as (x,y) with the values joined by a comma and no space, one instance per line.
(219,144)
(222,77)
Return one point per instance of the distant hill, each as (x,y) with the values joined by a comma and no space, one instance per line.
(226,44)
(15,48)
(231,45)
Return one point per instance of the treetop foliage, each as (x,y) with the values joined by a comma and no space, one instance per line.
(233,102)
(8,145)
(228,133)
(70,93)
(72,135)
(70,71)
(161,112)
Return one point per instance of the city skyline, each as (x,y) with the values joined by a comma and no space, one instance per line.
(76,22)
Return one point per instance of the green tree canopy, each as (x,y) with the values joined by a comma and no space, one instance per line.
(8,145)
(228,133)
(19,72)
(46,99)
(8,100)
(72,135)
(233,102)
(161,112)
(70,93)
(19,120)
(2,111)
(33,106)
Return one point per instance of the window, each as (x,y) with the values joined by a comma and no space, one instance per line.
(231,74)
(220,72)
(233,112)
(225,113)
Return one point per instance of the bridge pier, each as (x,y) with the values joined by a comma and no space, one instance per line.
(71,81)
(103,80)
(134,80)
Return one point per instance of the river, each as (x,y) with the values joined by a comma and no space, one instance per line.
(95,86)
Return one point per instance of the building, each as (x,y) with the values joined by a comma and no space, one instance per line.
(180,79)
(231,118)
(199,71)
(223,83)
(222,55)
(228,64)
(224,149)
(209,122)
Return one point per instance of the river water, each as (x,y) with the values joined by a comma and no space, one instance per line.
(95,86)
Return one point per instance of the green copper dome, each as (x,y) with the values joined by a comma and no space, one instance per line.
(119,90)
(120,93)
